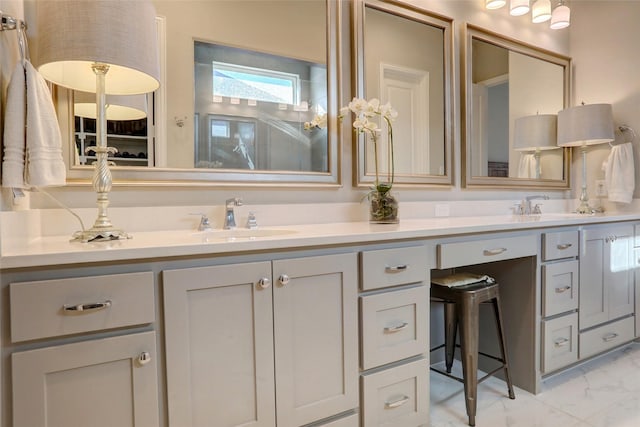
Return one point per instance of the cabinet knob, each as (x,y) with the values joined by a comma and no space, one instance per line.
(144,358)
(284,279)
(264,283)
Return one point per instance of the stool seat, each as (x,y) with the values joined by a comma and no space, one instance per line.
(462,311)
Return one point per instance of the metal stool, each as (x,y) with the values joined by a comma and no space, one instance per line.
(462,309)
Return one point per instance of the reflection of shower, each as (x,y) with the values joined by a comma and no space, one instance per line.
(245,136)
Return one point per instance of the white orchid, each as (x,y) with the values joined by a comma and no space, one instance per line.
(365,112)
(319,121)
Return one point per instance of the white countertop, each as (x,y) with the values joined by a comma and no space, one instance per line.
(57,250)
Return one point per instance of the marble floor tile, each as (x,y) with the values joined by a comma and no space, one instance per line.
(603,392)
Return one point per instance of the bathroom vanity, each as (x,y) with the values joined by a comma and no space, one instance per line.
(323,325)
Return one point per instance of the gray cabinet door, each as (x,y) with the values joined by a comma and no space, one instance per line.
(316,341)
(99,383)
(606,275)
(219,346)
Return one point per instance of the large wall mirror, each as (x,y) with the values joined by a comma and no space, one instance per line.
(404,57)
(240,80)
(512,93)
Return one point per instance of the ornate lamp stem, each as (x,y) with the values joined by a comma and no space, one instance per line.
(102,228)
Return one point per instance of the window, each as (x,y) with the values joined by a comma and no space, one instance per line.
(237,81)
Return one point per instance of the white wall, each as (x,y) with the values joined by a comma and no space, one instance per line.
(604,45)
(612,80)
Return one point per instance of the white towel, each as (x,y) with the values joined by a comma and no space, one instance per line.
(33,157)
(14,132)
(527,166)
(619,173)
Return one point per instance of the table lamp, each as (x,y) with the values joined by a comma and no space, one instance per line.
(103,47)
(582,126)
(117,107)
(535,134)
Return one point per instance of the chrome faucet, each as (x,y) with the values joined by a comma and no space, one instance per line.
(525,207)
(229,216)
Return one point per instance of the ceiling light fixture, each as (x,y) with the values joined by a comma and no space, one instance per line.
(541,11)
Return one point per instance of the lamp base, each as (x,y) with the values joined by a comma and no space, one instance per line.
(98,234)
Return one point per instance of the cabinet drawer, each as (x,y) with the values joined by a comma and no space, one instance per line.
(606,337)
(348,421)
(560,342)
(392,267)
(396,397)
(52,308)
(561,244)
(480,251)
(559,287)
(394,325)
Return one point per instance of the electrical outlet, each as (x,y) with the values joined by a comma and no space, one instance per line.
(601,188)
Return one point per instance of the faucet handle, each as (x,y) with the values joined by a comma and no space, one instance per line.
(536,210)
(252,222)
(205,224)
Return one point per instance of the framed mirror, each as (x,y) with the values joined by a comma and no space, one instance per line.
(511,94)
(237,89)
(415,79)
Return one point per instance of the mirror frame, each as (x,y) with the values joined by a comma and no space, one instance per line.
(405,10)
(471,32)
(160,176)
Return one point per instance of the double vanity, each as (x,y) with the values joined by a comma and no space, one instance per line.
(313,324)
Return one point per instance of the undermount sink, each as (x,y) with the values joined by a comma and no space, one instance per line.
(241,233)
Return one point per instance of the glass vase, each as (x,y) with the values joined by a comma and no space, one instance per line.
(383,208)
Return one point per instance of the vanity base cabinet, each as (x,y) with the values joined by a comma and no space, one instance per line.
(263,343)
(606,275)
(100,383)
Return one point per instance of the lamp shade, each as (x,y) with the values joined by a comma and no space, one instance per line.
(541,11)
(585,125)
(495,4)
(74,34)
(519,7)
(119,107)
(535,133)
(561,17)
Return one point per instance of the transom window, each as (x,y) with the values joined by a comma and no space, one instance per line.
(238,81)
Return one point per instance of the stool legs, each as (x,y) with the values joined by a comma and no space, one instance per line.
(450,330)
(503,348)
(468,315)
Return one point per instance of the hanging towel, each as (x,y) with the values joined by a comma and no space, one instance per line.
(14,131)
(619,173)
(527,166)
(33,155)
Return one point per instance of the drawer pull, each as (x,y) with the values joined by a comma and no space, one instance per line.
(396,269)
(81,308)
(397,328)
(396,403)
(563,246)
(609,337)
(561,342)
(496,251)
(563,289)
